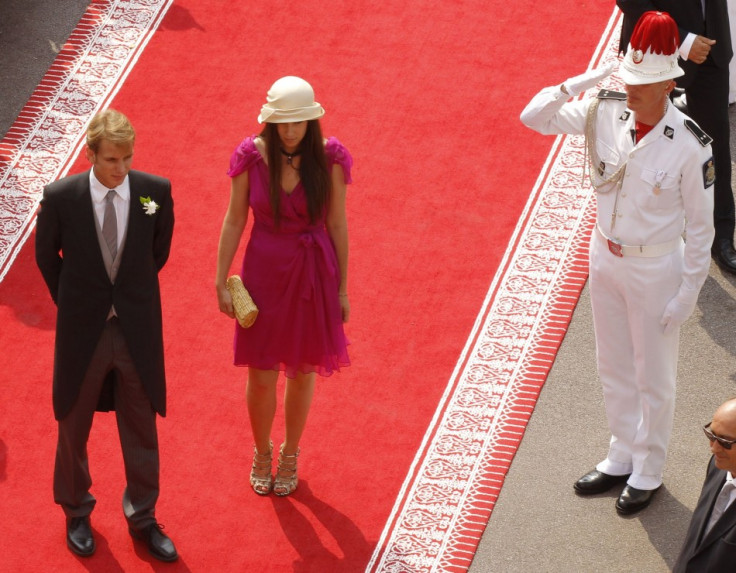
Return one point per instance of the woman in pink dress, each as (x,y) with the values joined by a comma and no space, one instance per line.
(295,268)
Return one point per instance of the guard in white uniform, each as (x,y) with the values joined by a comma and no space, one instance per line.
(653,172)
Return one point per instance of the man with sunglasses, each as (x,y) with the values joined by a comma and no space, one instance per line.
(710,543)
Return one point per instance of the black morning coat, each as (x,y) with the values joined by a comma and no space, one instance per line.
(69,256)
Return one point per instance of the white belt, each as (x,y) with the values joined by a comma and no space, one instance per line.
(638,251)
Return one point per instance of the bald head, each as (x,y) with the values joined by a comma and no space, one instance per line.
(723,425)
(727,410)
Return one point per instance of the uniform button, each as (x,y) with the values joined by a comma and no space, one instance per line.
(631,156)
(623,194)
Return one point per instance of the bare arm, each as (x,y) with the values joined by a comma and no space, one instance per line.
(337,228)
(232,229)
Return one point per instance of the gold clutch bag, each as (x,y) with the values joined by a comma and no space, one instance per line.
(245,309)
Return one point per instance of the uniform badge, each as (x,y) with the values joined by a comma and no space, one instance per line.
(709,173)
(637,56)
(625,115)
(658,182)
(669,132)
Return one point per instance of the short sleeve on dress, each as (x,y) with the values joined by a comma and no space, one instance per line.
(243,157)
(337,153)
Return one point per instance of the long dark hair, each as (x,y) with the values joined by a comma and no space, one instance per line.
(312,169)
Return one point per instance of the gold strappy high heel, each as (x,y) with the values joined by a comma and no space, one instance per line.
(261,479)
(286,479)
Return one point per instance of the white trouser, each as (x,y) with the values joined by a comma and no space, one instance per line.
(637,363)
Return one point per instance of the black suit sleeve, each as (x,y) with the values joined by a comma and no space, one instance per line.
(48,245)
(164,230)
(635,8)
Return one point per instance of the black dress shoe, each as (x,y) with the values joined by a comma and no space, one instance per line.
(597,482)
(724,255)
(632,500)
(158,543)
(79,536)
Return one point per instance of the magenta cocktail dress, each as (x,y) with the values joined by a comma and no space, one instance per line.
(291,272)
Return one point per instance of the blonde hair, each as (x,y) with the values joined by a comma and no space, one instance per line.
(112,126)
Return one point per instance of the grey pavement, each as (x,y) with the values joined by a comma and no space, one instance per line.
(31,34)
(538,523)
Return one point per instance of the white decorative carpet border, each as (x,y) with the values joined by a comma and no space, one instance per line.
(45,138)
(452,486)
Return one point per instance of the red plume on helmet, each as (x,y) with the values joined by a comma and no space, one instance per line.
(653,51)
(656,31)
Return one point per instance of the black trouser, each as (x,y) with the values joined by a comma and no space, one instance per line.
(136,422)
(707,104)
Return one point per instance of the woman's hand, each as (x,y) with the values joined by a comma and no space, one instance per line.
(344,306)
(225,301)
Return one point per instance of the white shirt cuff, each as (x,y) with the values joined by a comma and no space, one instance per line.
(687,45)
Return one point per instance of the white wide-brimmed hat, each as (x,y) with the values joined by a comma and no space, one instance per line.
(652,53)
(290,99)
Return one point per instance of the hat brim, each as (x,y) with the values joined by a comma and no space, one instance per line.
(649,68)
(272,115)
(633,79)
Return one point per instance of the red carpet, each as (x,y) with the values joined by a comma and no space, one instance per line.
(465,267)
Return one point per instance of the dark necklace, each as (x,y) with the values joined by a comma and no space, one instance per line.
(290,156)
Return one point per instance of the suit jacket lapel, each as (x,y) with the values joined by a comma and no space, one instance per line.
(713,486)
(726,521)
(85,213)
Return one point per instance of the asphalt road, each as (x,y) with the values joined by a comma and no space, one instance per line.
(538,523)
(31,34)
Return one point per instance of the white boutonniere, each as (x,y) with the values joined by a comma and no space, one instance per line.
(149,205)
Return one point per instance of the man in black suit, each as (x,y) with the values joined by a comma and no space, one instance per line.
(102,236)
(705,51)
(710,544)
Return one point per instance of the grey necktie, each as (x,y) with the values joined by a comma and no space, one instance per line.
(110,224)
(720,506)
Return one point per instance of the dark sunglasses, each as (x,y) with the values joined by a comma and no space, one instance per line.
(723,442)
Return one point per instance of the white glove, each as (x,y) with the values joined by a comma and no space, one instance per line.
(589,79)
(675,313)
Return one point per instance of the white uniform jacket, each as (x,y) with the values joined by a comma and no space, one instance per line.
(667,181)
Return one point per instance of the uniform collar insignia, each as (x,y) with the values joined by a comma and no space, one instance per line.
(625,115)
(669,132)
